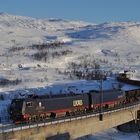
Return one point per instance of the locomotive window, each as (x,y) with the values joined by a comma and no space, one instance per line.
(29,104)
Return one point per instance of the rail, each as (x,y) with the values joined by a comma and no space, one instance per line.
(13,127)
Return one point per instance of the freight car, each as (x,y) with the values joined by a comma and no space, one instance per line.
(131,93)
(45,107)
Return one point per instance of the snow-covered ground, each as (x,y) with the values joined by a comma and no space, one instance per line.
(113,46)
(112,134)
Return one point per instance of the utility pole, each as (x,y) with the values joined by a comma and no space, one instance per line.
(101,99)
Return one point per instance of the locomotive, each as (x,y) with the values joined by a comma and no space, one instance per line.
(45,107)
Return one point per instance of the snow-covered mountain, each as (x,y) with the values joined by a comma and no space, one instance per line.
(25,30)
(114,46)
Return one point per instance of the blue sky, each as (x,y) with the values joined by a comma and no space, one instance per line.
(96,11)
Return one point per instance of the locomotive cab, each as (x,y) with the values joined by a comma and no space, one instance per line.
(16,110)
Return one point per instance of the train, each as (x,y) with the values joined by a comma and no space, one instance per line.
(36,108)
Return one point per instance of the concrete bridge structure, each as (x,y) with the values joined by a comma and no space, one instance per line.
(71,128)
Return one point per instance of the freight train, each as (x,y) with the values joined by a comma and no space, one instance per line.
(36,108)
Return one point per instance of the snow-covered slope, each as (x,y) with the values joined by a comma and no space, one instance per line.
(114,46)
(111,134)
(25,30)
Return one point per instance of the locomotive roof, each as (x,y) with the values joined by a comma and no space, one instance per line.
(52,96)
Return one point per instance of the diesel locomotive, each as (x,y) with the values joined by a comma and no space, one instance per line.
(36,108)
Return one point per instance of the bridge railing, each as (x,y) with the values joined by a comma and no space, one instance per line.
(12,127)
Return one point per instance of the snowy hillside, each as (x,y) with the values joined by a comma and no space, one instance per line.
(114,46)
(25,30)
(111,134)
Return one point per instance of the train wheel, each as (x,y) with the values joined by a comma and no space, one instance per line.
(67,113)
(106,106)
(53,115)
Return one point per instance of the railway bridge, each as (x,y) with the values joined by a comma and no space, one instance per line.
(71,127)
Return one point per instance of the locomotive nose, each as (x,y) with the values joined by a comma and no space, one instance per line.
(15,109)
(10,112)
